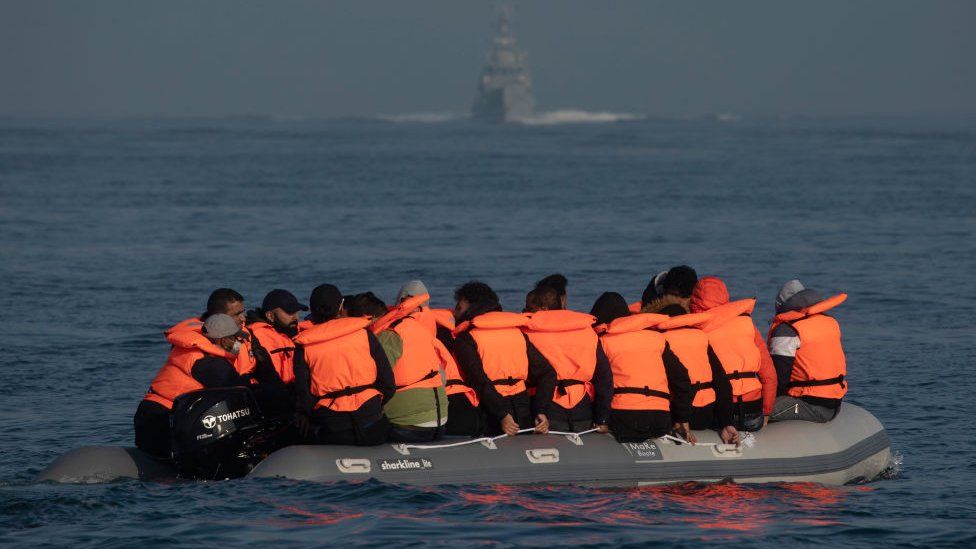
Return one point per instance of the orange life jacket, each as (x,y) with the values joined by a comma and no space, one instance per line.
(244,363)
(279,346)
(176,376)
(820,367)
(567,340)
(640,381)
(690,345)
(341,369)
(419,367)
(635,307)
(502,349)
(732,336)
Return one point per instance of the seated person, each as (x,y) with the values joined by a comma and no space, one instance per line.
(342,375)
(198,359)
(418,411)
(687,345)
(806,348)
(499,363)
(651,397)
(584,384)
(740,349)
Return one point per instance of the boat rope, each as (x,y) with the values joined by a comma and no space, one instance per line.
(488,440)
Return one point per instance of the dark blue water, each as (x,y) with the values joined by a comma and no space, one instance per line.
(112,230)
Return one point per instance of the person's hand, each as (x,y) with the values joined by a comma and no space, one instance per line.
(765,421)
(509,427)
(684,430)
(602,428)
(541,424)
(730,435)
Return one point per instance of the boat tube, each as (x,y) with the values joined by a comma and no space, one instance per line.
(850,449)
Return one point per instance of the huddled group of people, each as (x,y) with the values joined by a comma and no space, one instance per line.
(355,370)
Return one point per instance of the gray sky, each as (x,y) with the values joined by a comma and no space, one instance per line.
(362,57)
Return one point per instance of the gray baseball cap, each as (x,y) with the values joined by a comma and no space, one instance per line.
(410,289)
(220,325)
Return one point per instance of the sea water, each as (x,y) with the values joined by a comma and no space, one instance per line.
(112,230)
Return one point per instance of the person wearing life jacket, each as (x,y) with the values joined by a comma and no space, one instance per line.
(584,383)
(199,359)
(687,344)
(651,397)
(499,362)
(253,361)
(443,318)
(272,328)
(418,411)
(740,348)
(464,415)
(342,375)
(805,344)
(669,291)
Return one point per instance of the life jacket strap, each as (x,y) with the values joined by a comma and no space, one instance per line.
(743,375)
(563,383)
(281,350)
(646,391)
(818,382)
(701,386)
(348,391)
(507,381)
(453,382)
(429,375)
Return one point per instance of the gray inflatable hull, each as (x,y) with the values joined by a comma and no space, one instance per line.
(852,448)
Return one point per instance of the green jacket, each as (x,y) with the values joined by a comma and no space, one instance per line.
(412,407)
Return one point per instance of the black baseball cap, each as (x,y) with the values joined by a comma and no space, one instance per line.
(325,300)
(284,300)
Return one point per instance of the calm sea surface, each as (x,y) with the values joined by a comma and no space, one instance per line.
(112,230)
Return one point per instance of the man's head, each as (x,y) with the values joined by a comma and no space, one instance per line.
(223,331)
(609,307)
(225,301)
(654,289)
(411,289)
(365,305)
(558,283)
(680,281)
(280,309)
(542,298)
(473,294)
(325,303)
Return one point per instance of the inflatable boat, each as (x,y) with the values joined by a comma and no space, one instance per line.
(850,449)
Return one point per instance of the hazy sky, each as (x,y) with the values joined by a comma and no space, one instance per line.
(362,57)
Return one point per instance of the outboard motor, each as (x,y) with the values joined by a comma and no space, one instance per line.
(220,433)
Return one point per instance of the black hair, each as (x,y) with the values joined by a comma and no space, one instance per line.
(476,293)
(555,281)
(365,304)
(543,297)
(219,300)
(680,281)
(650,293)
(609,307)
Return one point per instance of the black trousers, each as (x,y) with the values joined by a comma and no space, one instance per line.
(361,431)
(151,424)
(639,425)
(572,420)
(521,409)
(703,417)
(463,419)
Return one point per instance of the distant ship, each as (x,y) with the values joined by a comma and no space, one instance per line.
(505,87)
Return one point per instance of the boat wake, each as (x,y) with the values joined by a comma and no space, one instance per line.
(574,116)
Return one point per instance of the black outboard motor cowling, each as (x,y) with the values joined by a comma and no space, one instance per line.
(219,433)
